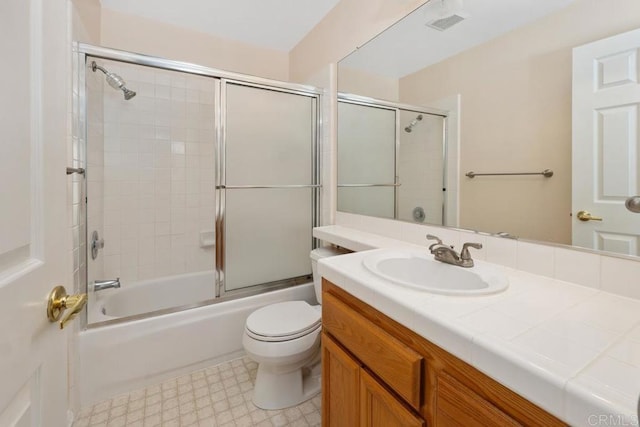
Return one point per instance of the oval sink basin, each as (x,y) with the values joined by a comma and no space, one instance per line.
(421,271)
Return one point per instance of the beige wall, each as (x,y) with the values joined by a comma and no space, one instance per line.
(348,25)
(135,34)
(516,116)
(86,21)
(351,80)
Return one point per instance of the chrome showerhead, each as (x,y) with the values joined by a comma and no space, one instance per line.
(414,122)
(115,81)
(128,94)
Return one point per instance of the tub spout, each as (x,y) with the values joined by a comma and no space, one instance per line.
(99,285)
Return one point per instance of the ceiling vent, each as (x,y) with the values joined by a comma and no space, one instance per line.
(444,14)
(447,22)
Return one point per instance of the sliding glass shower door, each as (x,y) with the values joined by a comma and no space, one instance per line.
(268,186)
(367,179)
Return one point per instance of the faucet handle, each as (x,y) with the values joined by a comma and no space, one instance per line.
(436,238)
(464,253)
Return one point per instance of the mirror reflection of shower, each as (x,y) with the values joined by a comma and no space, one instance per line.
(114,80)
(414,122)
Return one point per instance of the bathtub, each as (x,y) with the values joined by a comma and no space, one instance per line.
(117,358)
(151,295)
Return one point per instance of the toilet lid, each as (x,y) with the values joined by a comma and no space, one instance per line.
(283,320)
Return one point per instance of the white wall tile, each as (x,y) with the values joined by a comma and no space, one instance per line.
(142,191)
(577,267)
(501,251)
(620,276)
(537,259)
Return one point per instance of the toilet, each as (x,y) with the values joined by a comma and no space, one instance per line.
(284,339)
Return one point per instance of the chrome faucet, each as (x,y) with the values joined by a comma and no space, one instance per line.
(447,254)
(100,285)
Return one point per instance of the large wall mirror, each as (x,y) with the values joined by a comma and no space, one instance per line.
(546,90)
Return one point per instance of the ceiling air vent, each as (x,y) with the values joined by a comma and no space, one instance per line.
(447,22)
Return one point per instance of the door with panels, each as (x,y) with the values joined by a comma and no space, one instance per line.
(34,233)
(606,139)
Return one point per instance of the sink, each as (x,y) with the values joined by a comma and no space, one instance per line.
(422,272)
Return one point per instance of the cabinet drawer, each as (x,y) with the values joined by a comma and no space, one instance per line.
(396,364)
(457,405)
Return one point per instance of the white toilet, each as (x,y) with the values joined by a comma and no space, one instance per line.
(284,338)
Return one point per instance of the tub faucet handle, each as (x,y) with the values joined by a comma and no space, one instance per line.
(96,244)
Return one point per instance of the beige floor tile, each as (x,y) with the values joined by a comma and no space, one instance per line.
(216,396)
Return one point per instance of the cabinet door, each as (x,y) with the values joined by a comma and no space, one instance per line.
(459,406)
(340,386)
(379,408)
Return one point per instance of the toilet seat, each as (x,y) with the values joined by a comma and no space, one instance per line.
(283,321)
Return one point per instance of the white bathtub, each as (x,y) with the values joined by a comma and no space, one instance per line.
(117,358)
(151,295)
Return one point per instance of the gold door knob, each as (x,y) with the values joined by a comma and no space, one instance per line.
(59,301)
(586,216)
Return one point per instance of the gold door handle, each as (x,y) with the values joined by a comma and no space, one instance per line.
(58,301)
(586,216)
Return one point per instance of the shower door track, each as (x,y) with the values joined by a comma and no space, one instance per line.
(85,49)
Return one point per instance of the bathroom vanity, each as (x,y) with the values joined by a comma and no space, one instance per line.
(377,372)
(541,352)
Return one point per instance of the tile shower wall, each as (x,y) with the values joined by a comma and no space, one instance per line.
(159,181)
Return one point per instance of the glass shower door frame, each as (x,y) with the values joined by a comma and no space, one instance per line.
(80,53)
(221,184)
(348,98)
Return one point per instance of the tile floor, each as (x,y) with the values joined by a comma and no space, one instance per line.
(216,396)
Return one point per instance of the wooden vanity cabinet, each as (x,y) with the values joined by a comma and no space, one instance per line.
(376,372)
(356,397)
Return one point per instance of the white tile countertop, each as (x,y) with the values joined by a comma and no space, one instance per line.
(571,349)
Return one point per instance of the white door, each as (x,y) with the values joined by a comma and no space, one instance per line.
(606,99)
(34,236)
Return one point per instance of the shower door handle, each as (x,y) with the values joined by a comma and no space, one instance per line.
(75,170)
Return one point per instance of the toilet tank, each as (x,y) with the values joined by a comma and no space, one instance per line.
(317,254)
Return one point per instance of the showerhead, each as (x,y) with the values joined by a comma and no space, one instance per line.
(115,81)
(128,94)
(414,122)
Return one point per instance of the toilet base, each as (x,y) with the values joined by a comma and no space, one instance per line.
(277,390)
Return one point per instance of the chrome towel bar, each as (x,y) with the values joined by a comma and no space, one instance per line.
(547,173)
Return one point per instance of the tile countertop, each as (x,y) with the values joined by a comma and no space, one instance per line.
(572,350)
